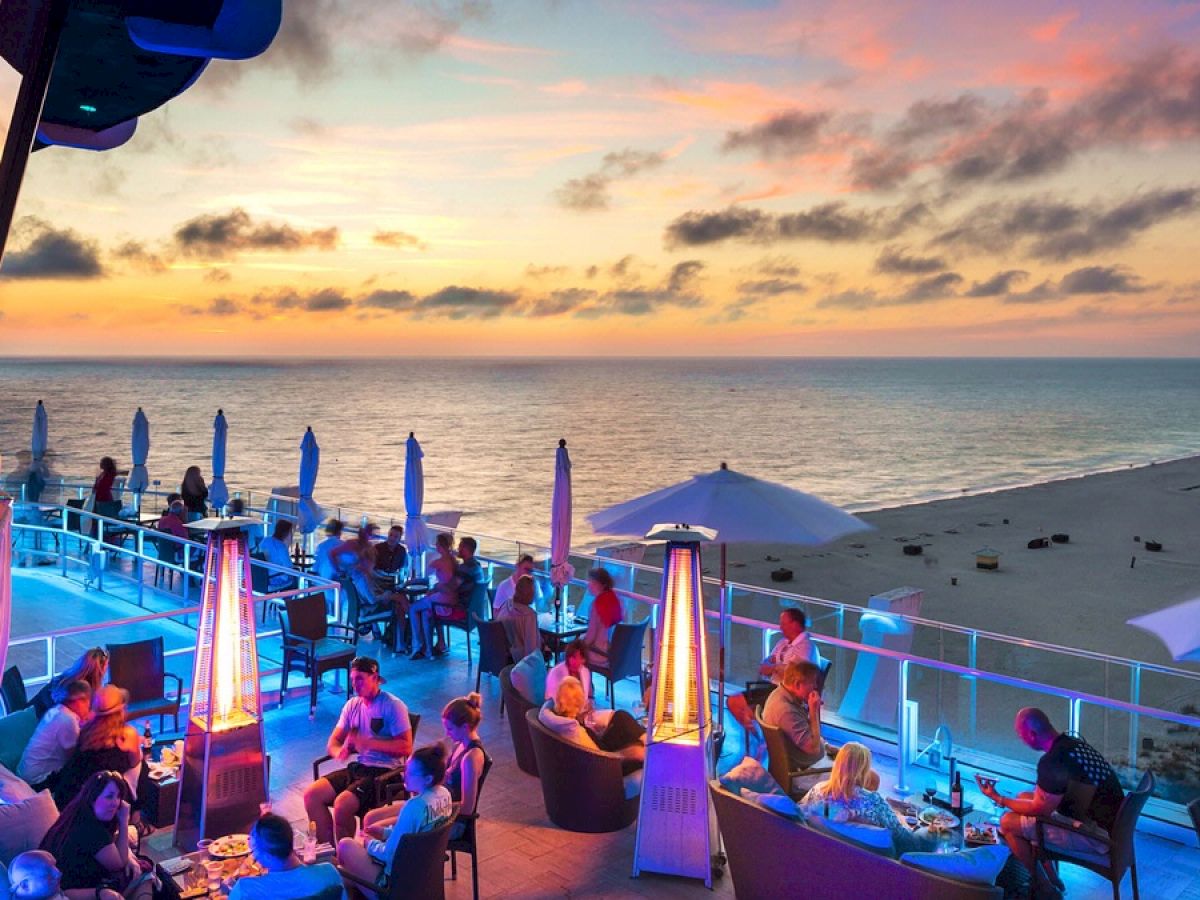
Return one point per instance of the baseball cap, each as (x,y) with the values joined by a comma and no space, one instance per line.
(368,665)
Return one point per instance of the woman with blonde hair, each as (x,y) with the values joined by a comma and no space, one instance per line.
(851,794)
(91,667)
(570,715)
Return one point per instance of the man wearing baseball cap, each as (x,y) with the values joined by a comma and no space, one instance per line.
(374,724)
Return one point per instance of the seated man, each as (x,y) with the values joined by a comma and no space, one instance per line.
(374,724)
(391,556)
(795,709)
(794,646)
(276,549)
(173,520)
(504,590)
(322,561)
(272,845)
(1067,762)
(53,743)
(34,875)
(468,577)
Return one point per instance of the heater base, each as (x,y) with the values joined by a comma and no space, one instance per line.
(676,829)
(223,783)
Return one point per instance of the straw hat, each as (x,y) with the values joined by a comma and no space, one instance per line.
(109,699)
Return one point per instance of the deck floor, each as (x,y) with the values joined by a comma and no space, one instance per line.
(521,853)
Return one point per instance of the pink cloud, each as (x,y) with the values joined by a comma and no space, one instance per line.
(1047,32)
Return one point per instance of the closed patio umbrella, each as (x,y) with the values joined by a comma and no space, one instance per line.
(416,532)
(561,570)
(742,509)
(309,513)
(1176,626)
(40,440)
(139,479)
(218,492)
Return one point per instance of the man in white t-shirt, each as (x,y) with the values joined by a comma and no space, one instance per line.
(374,724)
(795,645)
(504,590)
(322,561)
(56,736)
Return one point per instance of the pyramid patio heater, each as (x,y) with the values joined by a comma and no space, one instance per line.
(676,831)
(224,777)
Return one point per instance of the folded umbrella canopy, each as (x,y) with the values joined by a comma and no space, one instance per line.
(416,533)
(309,513)
(561,570)
(40,440)
(139,478)
(741,509)
(1176,626)
(218,491)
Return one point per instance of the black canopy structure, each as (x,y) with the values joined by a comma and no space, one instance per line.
(90,68)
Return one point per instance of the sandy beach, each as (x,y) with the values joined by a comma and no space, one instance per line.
(1078,594)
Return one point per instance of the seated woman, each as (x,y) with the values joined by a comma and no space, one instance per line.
(428,808)
(571,716)
(106,743)
(91,667)
(605,612)
(444,592)
(520,620)
(851,795)
(90,841)
(465,769)
(574,665)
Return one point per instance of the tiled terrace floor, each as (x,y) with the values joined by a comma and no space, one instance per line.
(522,853)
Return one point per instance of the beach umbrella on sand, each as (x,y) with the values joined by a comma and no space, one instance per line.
(1176,626)
(416,533)
(561,570)
(40,440)
(218,492)
(742,509)
(310,462)
(139,479)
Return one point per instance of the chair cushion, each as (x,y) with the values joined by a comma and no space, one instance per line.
(327,648)
(568,729)
(632,784)
(528,677)
(12,788)
(977,865)
(750,775)
(776,803)
(868,837)
(15,731)
(24,824)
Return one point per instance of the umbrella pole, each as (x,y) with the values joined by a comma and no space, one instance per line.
(721,654)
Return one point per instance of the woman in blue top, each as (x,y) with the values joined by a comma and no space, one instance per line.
(429,807)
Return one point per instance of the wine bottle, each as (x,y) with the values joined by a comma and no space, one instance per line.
(956,795)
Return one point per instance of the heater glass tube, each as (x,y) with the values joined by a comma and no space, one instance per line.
(227,665)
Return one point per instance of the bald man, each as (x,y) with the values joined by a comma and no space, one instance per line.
(1074,782)
(34,876)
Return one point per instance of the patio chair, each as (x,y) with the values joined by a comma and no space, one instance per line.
(1119,857)
(12,691)
(309,646)
(260,583)
(139,668)
(493,652)
(624,657)
(390,784)
(420,867)
(1193,809)
(361,618)
(467,841)
(458,617)
(114,535)
(169,554)
(517,707)
(795,782)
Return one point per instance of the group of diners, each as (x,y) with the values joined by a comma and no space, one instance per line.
(1075,783)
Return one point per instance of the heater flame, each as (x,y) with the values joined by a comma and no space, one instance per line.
(681,662)
(227,670)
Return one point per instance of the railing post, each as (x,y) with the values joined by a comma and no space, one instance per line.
(140,546)
(903,738)
(99,548)
(187,572)
(973,689)
(1135,694)
(1074,709)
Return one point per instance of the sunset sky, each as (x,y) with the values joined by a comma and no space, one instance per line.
(457,177)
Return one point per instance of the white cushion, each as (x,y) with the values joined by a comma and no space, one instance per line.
(868,837)
(750,775)
(528,678)
(978,865)
(24,824)
(776,803)
(566,728)
(12,788)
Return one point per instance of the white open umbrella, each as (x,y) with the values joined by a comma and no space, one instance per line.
(309,513)
(40,440)
(139,478)
(561,570)
(741,509)
(1176,626)
(416,533)
(218,491)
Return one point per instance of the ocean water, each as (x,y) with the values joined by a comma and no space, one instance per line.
(861,433)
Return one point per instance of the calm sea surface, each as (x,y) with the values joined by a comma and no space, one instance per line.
(863,433)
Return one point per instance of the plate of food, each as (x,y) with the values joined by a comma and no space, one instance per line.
(231,846)
(937,819)
(981,834)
